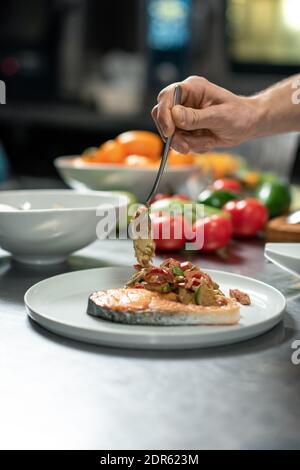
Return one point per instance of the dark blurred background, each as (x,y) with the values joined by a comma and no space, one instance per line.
(78,72)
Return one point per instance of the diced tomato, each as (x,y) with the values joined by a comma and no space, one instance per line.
(159,276)
(186,265)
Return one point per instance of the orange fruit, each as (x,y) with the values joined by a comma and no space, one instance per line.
(180,159)
(139,161)
(143,143)
(109,152)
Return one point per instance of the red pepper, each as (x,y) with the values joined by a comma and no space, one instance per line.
(196,274)
(139,286)
(170,263)
(163,275)
(186,265)
(138,267)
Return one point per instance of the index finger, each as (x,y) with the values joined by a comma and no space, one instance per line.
(164,107)
(165,104)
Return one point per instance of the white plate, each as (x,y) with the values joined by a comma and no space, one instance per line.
(59,304)
(284,255)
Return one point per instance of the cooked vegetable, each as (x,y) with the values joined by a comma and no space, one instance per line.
(184,282)
(240,296)
(205,295)
(144,247)
(177,271)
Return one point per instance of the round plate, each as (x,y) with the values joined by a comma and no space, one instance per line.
(59,304)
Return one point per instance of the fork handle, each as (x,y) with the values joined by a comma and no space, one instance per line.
(176,100)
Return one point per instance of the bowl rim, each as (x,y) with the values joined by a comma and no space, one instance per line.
(122,200)
(63,163)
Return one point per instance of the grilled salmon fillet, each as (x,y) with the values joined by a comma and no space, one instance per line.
(145,307)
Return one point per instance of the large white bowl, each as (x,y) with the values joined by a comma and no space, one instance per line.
(121,177)
(57,223)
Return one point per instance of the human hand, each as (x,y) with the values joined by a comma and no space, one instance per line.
(209,116)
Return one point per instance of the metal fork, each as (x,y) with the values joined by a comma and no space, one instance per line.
(176,100)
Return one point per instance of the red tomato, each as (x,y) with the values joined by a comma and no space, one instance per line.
(170,231)
(227,184)
(248,216)
(217,231)
(160,196)
(181,197)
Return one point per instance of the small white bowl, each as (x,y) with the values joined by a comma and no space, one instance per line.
(80,175)
(57,223)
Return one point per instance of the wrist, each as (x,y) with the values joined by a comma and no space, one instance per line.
(259,116)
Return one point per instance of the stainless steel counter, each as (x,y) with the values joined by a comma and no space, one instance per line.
(56,393)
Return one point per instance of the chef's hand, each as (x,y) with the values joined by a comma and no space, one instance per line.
(209,116)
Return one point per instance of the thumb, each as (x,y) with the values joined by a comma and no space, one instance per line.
(190,119)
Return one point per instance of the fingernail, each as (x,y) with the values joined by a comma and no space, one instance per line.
(176,147)
(181,148)
(165,131)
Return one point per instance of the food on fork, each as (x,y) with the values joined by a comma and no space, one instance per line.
(144,246)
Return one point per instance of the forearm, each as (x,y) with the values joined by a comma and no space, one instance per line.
(277,109)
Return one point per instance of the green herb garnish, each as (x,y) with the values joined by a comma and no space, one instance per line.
(177,271)
(166,288)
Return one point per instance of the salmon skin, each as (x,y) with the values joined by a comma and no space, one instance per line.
(144,307)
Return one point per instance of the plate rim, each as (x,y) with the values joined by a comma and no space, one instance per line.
(249,331)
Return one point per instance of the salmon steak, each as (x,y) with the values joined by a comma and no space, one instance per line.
(145,307)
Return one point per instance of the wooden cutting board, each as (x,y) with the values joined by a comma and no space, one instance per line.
(278,230)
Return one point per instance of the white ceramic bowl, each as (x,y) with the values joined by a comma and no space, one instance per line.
(120,177)
(57,223)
